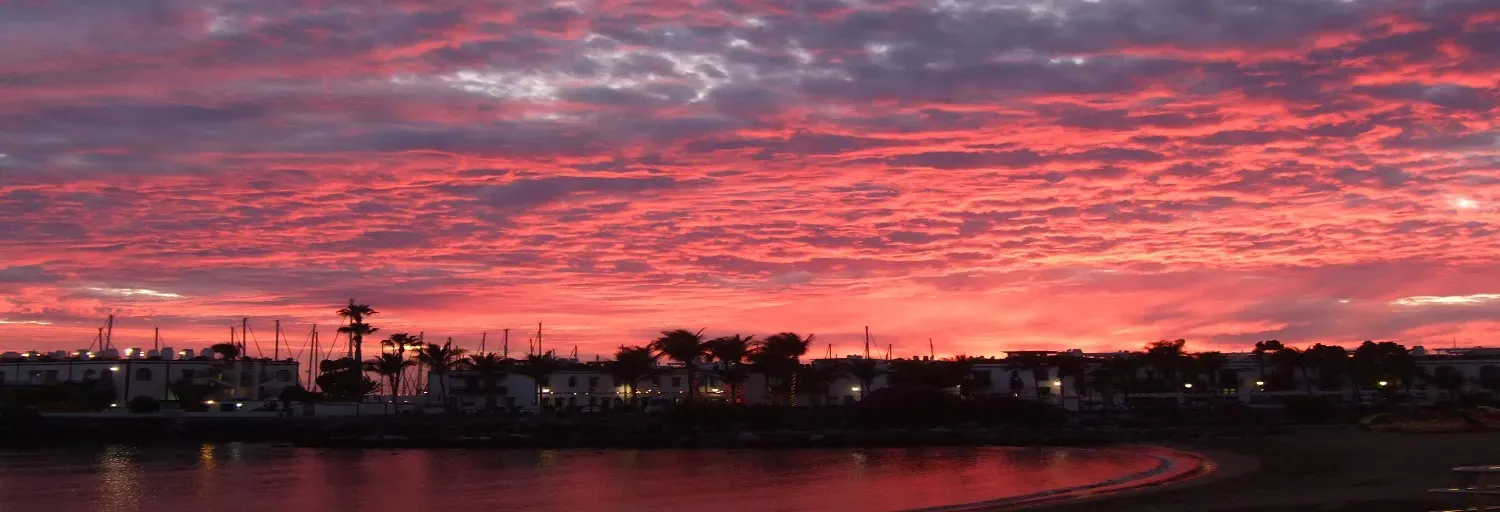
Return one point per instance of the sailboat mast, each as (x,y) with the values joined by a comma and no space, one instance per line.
(109,333)
(276,352)
(312,358)
(156,339)
(482,338)
(931,352)
(539,339)
(244,336)
(506,338)
(867,342)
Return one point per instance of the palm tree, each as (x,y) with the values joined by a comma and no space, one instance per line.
(231,355)
(357,328)
(683,346)
(1331,363)
(1262,350)
(778,356)
(818,380)
(490,367)
(1211,364)
(1069,367)
(1168,358)
(399,343)
(865,370)
(390,366)
(731,352)
(539,367)
(1288,361)
(1029,362)
(632,364)
(439,360)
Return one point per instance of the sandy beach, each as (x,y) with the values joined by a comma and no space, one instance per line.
(1323,470)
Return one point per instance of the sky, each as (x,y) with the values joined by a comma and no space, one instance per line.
(992,175)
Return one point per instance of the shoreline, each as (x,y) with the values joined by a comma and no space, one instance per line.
(1322,469)
(1175,466)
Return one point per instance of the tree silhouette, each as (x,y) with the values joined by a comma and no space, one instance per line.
(683,346)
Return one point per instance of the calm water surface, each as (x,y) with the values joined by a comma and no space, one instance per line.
(273,478)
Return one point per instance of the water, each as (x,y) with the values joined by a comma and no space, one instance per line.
(276,478)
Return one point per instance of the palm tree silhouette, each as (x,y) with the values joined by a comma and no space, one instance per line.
(778,357)
(439,360)
(539,367)
(490,367)
(390,366)
(818,380)
(683,346)
(357,329)
(731,352)
(865,370)
(632,364)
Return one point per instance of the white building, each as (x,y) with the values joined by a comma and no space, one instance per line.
(149,373)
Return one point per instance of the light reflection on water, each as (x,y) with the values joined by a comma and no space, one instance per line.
(251,477)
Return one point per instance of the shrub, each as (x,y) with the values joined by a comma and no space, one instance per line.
(143,404)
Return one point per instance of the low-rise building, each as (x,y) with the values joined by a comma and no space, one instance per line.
(150,373)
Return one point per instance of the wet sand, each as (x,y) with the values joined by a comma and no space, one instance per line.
(1322,469)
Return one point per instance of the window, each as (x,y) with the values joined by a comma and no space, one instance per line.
(676,382)
(283,375)
(593,382)
(142,374)
(572,382)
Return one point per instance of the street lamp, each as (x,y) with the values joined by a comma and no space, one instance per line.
(1381,383)
(1188,385)
(1260,383)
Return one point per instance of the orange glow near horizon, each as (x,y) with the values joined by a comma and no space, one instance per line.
(611,169)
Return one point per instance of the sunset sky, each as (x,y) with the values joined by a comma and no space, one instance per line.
(1002,174)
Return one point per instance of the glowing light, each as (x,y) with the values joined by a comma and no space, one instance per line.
(1260,383)
(546,390)
(854,389)
(114,405)
(1446,300)
(23,322)
(1188,385)
(114,368)
(1464,203)
(1381,383)
(134,292)
(208,402)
